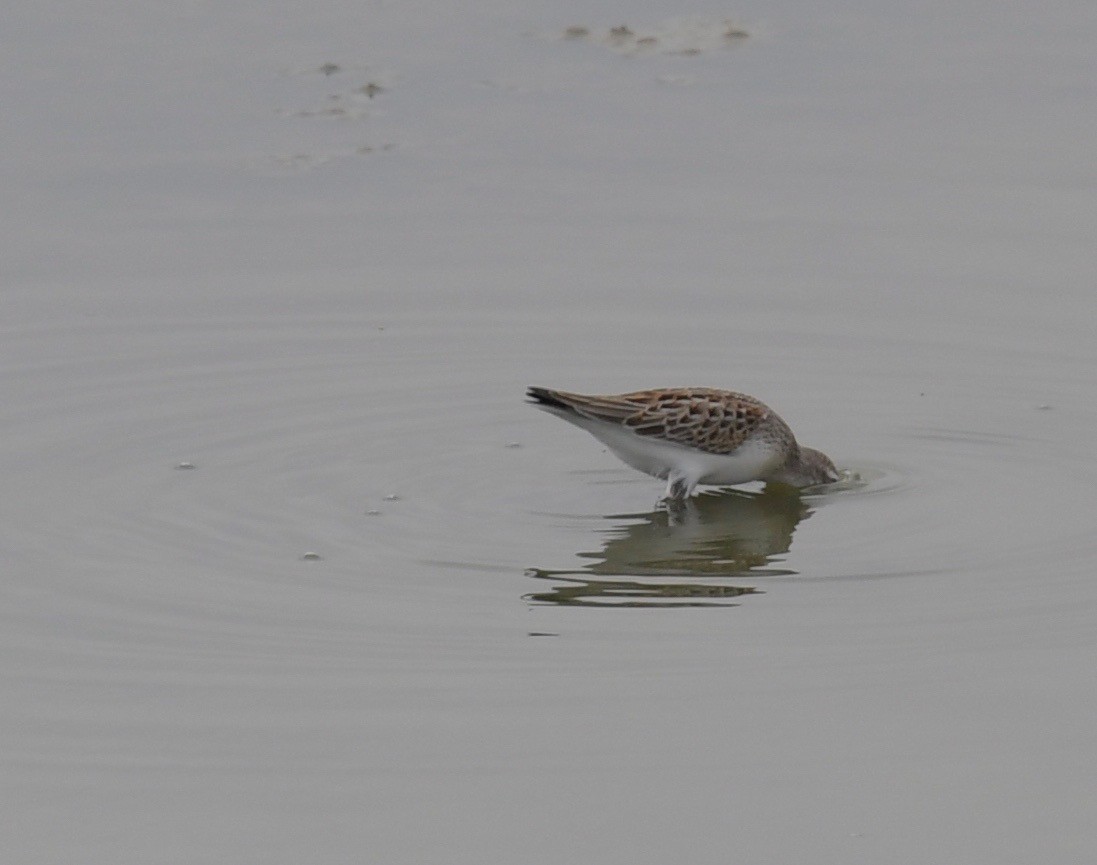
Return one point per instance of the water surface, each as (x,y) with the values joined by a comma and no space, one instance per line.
(293,574)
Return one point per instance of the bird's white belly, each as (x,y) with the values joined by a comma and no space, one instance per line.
(750,461)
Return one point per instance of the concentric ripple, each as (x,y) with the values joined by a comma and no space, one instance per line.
(356,456)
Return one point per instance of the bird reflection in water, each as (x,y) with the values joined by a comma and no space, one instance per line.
(682,555)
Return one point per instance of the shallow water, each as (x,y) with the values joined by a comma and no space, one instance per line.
(293,574)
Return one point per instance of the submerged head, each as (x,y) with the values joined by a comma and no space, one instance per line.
(808,468)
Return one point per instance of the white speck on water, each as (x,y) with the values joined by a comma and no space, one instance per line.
(392,497)
(311,557)
(184,466)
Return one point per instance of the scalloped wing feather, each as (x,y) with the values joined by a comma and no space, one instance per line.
(716,421)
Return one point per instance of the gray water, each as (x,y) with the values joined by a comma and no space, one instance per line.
(291,573)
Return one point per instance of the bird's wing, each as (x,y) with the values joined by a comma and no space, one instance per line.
(717,421)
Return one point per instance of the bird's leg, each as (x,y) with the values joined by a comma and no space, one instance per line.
(678,488)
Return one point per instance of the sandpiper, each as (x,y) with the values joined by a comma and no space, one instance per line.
(693,435)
